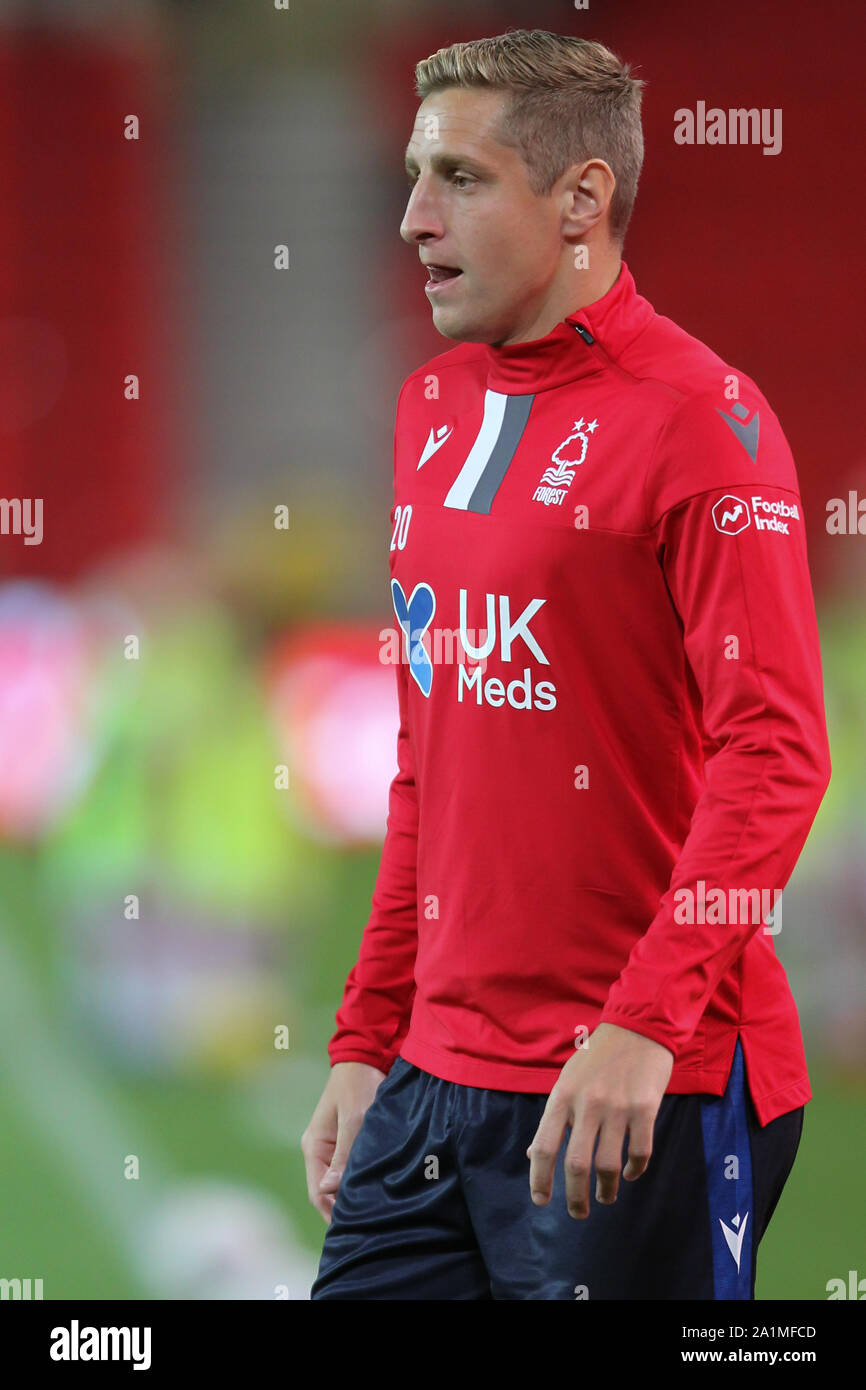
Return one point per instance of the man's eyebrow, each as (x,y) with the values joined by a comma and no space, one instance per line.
(445,162)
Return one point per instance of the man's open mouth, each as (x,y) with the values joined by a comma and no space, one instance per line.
(438,273)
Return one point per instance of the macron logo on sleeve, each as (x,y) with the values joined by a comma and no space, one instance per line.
(746,433)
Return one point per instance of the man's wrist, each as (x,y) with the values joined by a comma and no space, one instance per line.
(638,1029)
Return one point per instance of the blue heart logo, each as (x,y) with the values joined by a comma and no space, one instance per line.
(414,617)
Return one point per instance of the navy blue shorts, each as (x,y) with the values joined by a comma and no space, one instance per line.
(434,1202)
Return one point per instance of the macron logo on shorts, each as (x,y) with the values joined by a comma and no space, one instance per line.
(734,1239)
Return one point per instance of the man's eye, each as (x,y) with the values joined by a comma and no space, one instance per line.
(459,180)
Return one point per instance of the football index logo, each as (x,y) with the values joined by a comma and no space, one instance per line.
(414,617)
(566,457)
(731,515)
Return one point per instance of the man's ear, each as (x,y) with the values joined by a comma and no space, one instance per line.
(588,190)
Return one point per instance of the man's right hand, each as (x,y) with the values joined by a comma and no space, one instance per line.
(329,1136)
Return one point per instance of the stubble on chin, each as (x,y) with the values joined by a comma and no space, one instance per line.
(460,329)
(451,328)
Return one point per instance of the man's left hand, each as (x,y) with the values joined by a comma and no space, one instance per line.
(612,1086)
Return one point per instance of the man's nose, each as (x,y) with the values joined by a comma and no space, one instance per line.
(421,218)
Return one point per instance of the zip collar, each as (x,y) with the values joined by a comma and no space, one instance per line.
(571,349)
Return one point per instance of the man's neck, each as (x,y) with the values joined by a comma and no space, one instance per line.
(574,291)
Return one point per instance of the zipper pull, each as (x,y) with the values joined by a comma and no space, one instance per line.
(585,334)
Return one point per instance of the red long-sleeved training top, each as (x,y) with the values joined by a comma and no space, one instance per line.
(612,741)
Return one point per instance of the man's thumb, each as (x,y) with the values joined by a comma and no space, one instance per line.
(331,1179)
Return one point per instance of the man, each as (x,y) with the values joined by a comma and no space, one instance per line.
(611,749)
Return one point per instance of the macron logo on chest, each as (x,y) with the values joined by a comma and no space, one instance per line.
(435,440)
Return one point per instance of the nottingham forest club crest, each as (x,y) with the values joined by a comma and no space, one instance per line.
(565,459)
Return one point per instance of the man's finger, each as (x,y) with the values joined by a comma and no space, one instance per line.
(543,1151)
(317,1151)
(640,1144)
(347,1132)
(578,1161)
(322,1201)
(608,1160)
(325,1207)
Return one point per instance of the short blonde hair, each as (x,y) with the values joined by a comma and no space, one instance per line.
(570,100)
